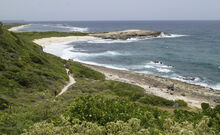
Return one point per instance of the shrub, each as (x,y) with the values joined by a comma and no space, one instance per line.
(36,59)
(2,67)
(181,103)
(132,127)
(157,101)
(205,106)
(3,104)
(99,110)
(184,115)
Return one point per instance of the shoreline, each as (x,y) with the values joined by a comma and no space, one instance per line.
(56,40)
(193,94)
(18,27)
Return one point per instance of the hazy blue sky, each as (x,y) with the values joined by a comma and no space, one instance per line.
(109,10)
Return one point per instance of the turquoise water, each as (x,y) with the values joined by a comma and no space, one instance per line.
(191,54)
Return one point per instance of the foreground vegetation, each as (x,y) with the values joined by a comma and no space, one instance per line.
(29,79)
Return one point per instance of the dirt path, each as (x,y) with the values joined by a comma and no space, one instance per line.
(71,82)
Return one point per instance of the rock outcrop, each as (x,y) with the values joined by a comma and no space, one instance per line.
(127,34)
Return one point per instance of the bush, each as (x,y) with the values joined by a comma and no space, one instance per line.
(132,127)
(36,59)
(181,103)
(184,115)
(99,110)
(205,106)
(3,104)
(2,67)
(157,101)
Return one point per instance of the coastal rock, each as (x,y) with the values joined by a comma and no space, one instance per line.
(183,94)
(158,62)
(189,78)
(127,34)
(171,87)
(171,92)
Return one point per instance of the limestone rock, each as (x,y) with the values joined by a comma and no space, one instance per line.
(127,34)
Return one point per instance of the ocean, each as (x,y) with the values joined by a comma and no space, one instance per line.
(191,54)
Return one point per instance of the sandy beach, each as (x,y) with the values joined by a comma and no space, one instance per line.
(167,88)
(54,40)
(18,27)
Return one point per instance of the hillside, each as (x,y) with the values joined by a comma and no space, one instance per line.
(30,79)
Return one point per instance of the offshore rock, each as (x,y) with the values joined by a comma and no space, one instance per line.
(128,34)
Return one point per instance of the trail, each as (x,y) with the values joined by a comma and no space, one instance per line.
(71,82)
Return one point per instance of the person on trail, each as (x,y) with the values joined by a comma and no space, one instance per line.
(55,93)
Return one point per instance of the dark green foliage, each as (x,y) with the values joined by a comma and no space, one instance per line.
(8,26)
(81,71)
(181,103)
(149,99)
(2,67)
(184,115)
(20,58)
(3,104)
(205,106)
(36,59)
(217,109)
(99,110)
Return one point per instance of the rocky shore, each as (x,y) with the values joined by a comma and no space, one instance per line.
(127,34)
(167,88)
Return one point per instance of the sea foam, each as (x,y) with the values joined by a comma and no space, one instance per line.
(160,67)
(72,28)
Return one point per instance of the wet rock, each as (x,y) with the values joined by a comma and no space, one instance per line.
(183,94)
(158,62)
(171,92)
(189,78)
(171,87)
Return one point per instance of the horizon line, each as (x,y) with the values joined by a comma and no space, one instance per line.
(108,20)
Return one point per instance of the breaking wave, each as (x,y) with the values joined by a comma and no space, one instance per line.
(71,28)
(159,66)
(111,41)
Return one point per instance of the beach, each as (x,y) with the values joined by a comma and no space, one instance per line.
(55,40)
(18,27)
(167,88)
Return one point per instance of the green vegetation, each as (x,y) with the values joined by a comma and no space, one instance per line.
(93,105)
(96,115)
(38,35)
(8,26)
(81,71)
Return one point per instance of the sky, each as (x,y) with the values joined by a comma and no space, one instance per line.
(75,10)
